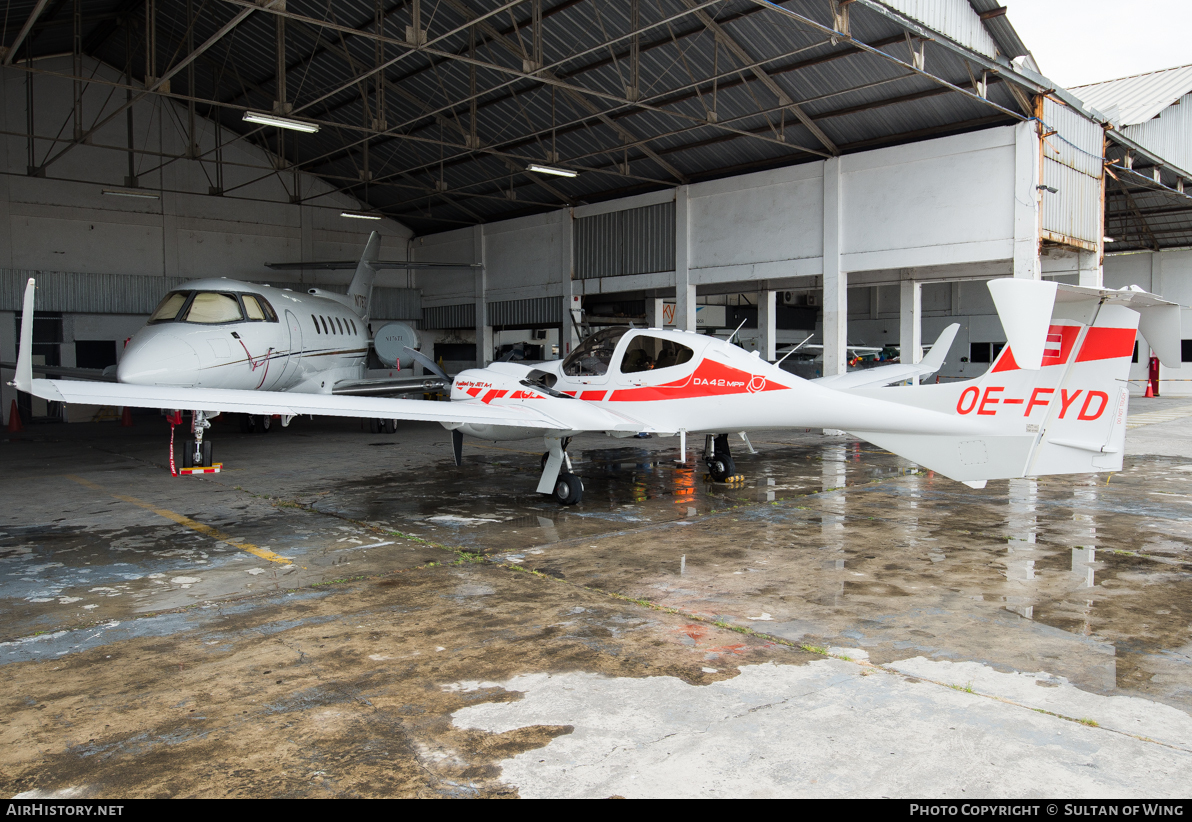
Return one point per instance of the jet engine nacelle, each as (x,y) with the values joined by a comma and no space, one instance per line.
(389,341)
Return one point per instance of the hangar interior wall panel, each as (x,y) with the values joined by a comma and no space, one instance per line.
(526,313)
(633,241)
(523,256)
(446,287)
(461,316)
(1072,164)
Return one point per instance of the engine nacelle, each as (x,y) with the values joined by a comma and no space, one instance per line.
(391,339)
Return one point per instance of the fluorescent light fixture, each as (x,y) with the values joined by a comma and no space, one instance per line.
(132,192)
(1107,239)
(360,215)
(280,122)
(560,172)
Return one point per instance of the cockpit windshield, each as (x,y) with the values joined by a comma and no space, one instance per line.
(211,307)
(169,307)
(593,356)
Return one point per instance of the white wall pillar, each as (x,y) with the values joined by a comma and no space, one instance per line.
(1088,264)
(1026,201)
(767,324)
(910,322)
(684,290)
(654,312)
(835,280)
(572,295)
(484,331)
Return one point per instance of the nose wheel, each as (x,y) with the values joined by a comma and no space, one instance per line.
(719,460)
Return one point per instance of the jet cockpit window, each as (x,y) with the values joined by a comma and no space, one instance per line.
(253,308)
(167,310)
(211,307)
(593,356)
(646,353)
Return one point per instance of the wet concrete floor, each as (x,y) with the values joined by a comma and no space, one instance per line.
(349,614)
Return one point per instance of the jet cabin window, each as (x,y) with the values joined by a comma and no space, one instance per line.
(211,307)
(593,356)
(646,353)
(167,310)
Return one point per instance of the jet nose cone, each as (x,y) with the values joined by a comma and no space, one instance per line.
(158,359)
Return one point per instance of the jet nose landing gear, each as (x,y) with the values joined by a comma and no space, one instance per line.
(719,460)
(565,487)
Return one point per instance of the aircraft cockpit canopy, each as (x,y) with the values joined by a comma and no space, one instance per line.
(593,356)
(212,308)
(647,353)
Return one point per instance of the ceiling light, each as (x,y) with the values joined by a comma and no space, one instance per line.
(280,122)
(132,192)
(1107,239)
(561,172)
(360,215)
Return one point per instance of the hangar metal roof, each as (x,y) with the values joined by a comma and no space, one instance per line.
(431,110)
(1129,101)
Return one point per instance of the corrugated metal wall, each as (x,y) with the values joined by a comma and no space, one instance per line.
(634,241)
(1168,134)
(526,313)
(1072,164)
(75,293)
(450,316)
(952,18)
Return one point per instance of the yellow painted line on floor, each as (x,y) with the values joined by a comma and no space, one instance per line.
(205,530)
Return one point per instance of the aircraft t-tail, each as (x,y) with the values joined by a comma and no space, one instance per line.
(1053,402)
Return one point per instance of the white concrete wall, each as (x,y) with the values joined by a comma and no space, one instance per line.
(1168,274)
(64,223)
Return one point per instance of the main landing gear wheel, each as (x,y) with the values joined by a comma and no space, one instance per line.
(251,424)
(569,489)
(722,468)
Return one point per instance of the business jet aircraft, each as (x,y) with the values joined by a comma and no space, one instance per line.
(1054,402)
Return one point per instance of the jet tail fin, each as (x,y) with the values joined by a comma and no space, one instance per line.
(360,291)
(24,375)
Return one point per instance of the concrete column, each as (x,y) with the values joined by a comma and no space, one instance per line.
(835,280)
(484,331)
(1088,264)
(1026,202)
(767,324)
(684,290)
(910,322)
(654,312)
(8,353)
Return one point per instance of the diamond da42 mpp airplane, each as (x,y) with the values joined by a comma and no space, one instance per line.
(1053,402)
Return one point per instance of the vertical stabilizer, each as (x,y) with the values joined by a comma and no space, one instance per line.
(24,377)
(360,291)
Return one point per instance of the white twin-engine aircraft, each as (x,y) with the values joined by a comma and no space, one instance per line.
(1053,402)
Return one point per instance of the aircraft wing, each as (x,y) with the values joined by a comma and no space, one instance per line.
(65,371)
(390,385)
(887,374)
(539,410)
(377,264)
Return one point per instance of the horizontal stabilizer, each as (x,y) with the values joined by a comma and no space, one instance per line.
(379,265)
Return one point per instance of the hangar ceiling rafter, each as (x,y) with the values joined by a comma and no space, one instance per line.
(430,111)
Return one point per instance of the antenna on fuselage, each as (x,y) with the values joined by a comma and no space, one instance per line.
(739,327)
(793,350)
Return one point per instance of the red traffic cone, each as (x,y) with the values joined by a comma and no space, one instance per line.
(126,418)
(1149,392)
(14,419)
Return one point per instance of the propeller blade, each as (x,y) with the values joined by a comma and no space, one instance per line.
(427,363)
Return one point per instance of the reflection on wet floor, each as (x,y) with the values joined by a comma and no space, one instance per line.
(828,541)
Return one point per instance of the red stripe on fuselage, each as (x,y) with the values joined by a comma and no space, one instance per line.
(710,379)
(1057,349)
(1106,344)
(592,396)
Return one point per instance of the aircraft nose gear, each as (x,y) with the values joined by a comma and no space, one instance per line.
(719,459)
(196,453)
(565,487)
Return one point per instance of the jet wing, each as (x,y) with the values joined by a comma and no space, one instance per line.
(378,265)
(390,385)
(887,374)
(65,371)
